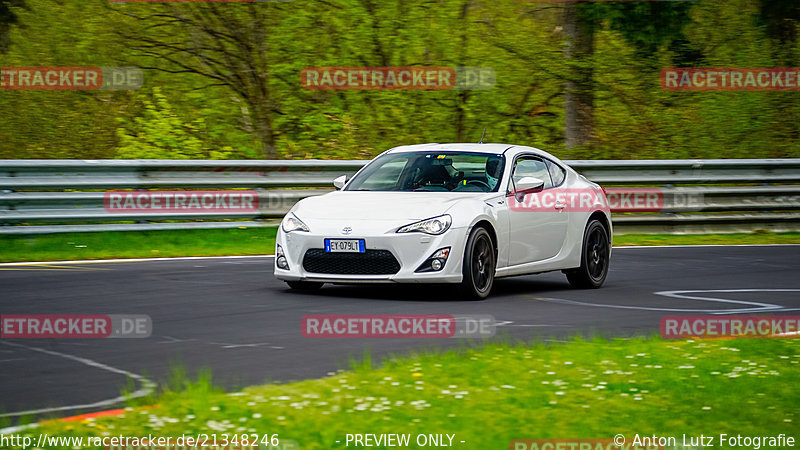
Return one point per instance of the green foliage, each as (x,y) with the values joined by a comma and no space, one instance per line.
(138,244)
(158,133)
(7,17)
(183,113)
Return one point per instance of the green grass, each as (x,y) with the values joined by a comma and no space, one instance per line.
(757,238)
(491,395)
(256,241)
(137,244)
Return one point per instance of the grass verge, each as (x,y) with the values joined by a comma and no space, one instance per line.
(491,395)
(137,244)
(757,238)
(257,241)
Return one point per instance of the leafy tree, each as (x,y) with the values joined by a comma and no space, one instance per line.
(60,124)
(781,19)
(158,133)
(7,17)
(226,44)
(580,79)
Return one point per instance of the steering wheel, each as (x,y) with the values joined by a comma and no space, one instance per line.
(480,184)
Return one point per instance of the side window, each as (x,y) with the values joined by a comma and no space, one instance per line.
(385,178)
(532,167)
(557,173)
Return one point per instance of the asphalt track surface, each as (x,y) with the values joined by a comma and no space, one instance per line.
(232,316)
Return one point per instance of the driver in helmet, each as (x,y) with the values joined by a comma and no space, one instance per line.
(494,165)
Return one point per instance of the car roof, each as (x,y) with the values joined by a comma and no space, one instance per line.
(497,149)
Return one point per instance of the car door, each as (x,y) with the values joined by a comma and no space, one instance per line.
(538,226)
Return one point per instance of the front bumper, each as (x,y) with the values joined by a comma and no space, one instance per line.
(410,250)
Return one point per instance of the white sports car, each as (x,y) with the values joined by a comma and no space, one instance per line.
(449,213)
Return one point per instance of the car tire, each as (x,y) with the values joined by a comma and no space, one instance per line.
(478,268)
(595,257)
(304,285)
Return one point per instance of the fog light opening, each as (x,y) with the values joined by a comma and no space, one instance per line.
(280,258)
(436,261)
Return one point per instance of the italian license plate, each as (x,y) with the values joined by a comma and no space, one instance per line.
(344,245)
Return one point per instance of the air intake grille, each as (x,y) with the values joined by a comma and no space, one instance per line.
(371,262)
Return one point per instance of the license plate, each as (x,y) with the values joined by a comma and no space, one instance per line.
(344,245)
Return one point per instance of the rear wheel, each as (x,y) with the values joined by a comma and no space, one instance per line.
(595,256)
(304,285)
(479,265)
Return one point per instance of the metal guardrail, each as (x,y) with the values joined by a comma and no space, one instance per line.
(48,196)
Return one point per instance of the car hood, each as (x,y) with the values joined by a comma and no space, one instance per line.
(357,205)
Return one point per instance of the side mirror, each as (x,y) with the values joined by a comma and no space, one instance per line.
(527,185)
(339,182)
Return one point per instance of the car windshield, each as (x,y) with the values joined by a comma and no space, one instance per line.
(431,171)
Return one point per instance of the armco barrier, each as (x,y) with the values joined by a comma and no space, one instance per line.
(49,196)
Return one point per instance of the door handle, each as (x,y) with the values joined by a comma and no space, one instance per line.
(560,205)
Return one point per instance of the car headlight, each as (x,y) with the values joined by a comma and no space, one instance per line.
(292,223)
(434,225)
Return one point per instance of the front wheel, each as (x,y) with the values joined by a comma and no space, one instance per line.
(479,265)
(595,256)
(304,285)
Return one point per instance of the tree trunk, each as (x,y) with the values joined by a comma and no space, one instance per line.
(579,89)
(463,96)
(262,122)
(259,97)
